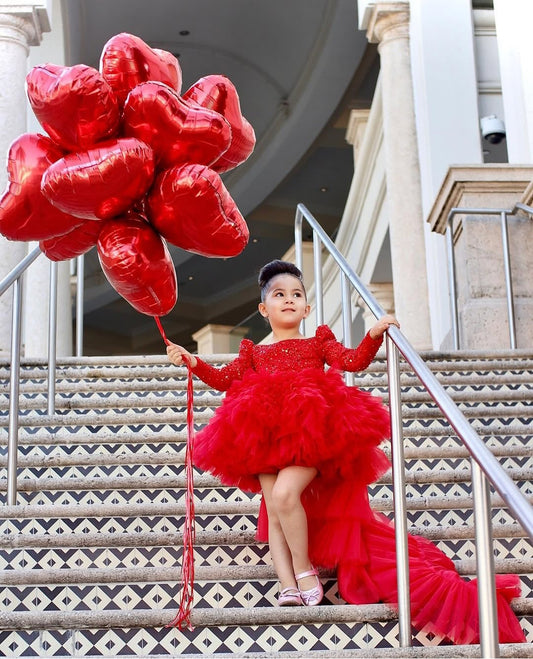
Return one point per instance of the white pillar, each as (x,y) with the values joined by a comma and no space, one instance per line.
(447,121)
(35,325)
(513,29)
(389,26)
(21,26)
(384,294)
(15,35)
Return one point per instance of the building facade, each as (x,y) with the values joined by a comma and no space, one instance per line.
(451,71)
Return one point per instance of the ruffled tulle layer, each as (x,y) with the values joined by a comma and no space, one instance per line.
(346,534)
(310,418)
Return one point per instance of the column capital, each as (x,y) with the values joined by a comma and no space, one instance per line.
(388,21)
(30,18)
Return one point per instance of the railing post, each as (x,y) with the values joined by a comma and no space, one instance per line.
(12,447)
(398,474)
(298,249)
(317,264)
(52,337)
(486,589)
(508,280)
(80,291)
(452,284)
(346,321)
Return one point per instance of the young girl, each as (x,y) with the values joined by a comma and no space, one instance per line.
(295,431)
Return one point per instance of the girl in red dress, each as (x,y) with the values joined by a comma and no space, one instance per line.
(295,431)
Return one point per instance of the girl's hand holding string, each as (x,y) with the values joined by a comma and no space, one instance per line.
(382,326)
(179,355)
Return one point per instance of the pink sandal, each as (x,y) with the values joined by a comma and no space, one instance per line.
(313,596)
(290,597)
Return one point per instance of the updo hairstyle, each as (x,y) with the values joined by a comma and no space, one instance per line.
(273,269)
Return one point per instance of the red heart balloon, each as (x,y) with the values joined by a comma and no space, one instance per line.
(72,244)
(192,209)
(102,182)
(177,131)
(137,263)
(127,60)
(74,104)
(25,214)
(218,93)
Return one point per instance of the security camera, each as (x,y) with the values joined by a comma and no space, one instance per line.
(492,129)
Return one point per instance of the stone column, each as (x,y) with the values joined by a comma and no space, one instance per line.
(218,339)
(389,26)
(21,26)
(384,294)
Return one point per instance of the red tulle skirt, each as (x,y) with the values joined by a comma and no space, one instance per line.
(311,418)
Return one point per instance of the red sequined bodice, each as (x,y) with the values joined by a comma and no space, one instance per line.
(290,355)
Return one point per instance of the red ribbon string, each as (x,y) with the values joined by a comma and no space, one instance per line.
(183,617)
(161,330)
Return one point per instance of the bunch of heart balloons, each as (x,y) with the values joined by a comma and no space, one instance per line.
(128,164)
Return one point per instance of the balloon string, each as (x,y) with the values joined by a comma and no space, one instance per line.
(183,616)
(161,330)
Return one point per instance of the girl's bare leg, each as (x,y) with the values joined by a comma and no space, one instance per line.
(288,521)
(279,550)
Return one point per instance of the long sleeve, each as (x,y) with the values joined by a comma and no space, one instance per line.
(221,378)
(348,359)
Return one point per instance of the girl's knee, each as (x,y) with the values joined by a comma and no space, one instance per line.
(284,498)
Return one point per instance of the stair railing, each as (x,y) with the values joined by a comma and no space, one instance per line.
(15,279)
(504,214)
(485,467)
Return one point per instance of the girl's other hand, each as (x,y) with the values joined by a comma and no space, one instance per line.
(179,355)
(383,325)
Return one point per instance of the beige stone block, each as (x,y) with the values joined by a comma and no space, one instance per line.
(480,281)
(484,324)
(480,271)
(480,186)
(478,251)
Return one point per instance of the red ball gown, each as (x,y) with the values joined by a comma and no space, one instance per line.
(281,408)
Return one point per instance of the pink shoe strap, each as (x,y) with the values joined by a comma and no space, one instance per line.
(292,592)
(310,573)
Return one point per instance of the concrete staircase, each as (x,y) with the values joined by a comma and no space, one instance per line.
(89,558)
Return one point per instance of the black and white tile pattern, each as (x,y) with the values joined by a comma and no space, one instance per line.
(124,425)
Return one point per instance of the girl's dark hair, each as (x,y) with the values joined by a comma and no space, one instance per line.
(273,269)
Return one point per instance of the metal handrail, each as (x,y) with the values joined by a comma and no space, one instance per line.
(504,213)
(14,279)
(484,464)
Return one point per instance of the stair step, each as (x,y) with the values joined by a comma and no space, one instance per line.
(213,556)
(39,457)
(481,415)
(210,617)
(124,539)
(169,476)
(101,487)
(516,433)
(154,395)
(158,575)
(506,650)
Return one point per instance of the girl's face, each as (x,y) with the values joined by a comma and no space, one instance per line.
(285,304)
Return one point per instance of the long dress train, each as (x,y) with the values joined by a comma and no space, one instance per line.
(283,408)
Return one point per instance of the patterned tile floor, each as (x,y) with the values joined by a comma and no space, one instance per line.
(92,426)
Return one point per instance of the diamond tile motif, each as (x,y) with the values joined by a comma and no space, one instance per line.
(120,432)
